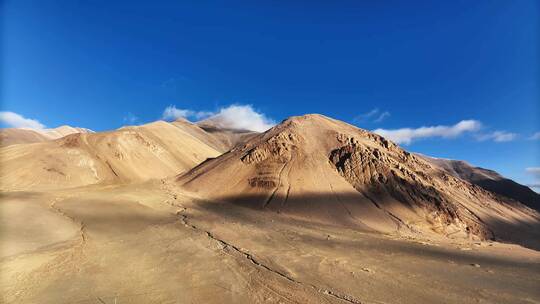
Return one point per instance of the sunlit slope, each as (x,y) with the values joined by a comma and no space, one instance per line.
(155,150)
(12,136)
(320,169)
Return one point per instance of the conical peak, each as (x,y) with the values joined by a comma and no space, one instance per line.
(320,128)
(314,135)
(308,117)
(316,154)
(312,119)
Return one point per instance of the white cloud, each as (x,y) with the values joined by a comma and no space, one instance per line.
(407,135)
(242,117)
(374,115)
(498,136)
(18,121)
(172,113)
(535,136)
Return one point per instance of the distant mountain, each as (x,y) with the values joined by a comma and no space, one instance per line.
(489,180)
(227,136)
(323,170)
(11,136)
(129,154)
(63,131)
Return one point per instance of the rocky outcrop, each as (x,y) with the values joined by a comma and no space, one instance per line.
(399,174)
(323,170)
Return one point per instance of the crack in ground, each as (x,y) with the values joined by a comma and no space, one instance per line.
(82,229)
(224,245)
(64,259)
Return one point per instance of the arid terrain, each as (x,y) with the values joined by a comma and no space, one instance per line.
(312,211)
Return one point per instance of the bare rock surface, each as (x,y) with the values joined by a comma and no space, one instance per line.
(316,168)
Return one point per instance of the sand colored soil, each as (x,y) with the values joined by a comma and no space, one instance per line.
(312,211)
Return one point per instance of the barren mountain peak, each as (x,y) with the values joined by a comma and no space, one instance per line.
(315,167)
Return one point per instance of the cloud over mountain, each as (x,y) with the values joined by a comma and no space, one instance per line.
(15,120)
(408,135)
(235,116)
(172,113)
(242,117)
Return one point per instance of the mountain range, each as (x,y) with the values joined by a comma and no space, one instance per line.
(314,210)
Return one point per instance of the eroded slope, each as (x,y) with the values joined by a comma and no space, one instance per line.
(316,168)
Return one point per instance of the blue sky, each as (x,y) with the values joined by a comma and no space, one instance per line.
(102,65)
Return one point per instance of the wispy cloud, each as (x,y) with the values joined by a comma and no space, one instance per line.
(408,135)
(382,116)
(172,113)
(14,120)
(374,115)
(235,116)
(130,118)
(366,116)
(535,136)
(498,136)
(535,171)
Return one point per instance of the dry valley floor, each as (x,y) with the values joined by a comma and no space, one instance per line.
(156,243)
